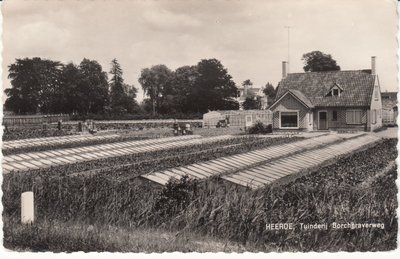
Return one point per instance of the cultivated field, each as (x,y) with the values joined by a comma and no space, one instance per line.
(212,191)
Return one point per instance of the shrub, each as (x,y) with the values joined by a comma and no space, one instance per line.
(260,128)
(175,196)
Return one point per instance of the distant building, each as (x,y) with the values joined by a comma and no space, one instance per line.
(252,92)
(389,108)
(331,100)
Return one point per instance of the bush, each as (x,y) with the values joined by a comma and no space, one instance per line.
(175,196)
(260,128)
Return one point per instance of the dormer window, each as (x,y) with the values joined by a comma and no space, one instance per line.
(335,91)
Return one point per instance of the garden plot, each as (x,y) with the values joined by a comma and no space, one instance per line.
(259,176)
(23,143)
(45,159)
(227,164)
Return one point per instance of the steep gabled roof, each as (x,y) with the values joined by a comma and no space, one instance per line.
(296,94)
(357,87)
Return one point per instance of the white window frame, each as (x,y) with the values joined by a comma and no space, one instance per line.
(354,110)
(280,120)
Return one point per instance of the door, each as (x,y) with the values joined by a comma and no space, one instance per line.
(249,120)
(322,121)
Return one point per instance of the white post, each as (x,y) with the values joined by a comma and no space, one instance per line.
(27,208)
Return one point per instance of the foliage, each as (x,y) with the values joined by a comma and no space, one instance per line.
(175,196)
(260,128)
(252,103)
(191,89)
(269,91)
(317,61)
(122,96)
(34,85)
(155,81)
(247,83)
(179,90)
(93,87)
(214,88)
(70,98)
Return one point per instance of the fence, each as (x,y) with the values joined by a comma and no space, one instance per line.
(33,119)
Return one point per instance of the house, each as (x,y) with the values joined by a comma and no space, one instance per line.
(332,100)
(237,118)
(389,108)
(253,92)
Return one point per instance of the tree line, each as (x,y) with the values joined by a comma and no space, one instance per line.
(46,86)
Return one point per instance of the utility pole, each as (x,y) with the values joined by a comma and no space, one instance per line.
(288,44)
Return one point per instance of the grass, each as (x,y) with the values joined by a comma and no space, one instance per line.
(75,236)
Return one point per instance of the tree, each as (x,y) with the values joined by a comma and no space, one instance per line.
(154,82)
(34,84)
(247,83)
(269,91)
(179,89)
(93,87)
(118,96)
(131,105)
(252,103)
(70,96)
(213,88)
(317,61)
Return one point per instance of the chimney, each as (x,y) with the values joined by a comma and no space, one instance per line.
(373,65)
(284,69)
(245,86)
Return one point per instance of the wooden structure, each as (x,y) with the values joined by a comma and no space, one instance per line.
(237,118)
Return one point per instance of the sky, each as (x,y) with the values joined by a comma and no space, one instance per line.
(248,37)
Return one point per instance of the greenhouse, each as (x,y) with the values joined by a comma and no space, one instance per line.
(236,118)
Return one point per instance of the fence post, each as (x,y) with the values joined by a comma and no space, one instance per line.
(27,208)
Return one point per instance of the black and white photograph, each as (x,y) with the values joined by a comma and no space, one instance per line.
(233,126)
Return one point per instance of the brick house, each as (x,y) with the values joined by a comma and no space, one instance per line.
(332,100)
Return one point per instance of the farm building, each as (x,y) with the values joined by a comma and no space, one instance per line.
(330,100)
(389,108)
(237,118)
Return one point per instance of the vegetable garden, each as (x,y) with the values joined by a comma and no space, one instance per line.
(107,192)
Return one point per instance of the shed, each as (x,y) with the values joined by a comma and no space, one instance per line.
(237,118)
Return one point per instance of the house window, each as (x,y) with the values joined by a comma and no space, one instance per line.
(334,115)
(289,120)
(335,92)
(353,116)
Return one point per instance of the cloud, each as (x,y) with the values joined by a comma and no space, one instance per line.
(249,37)
(40,36)
(165,20)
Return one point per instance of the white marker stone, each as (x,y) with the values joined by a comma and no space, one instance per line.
(27,208)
